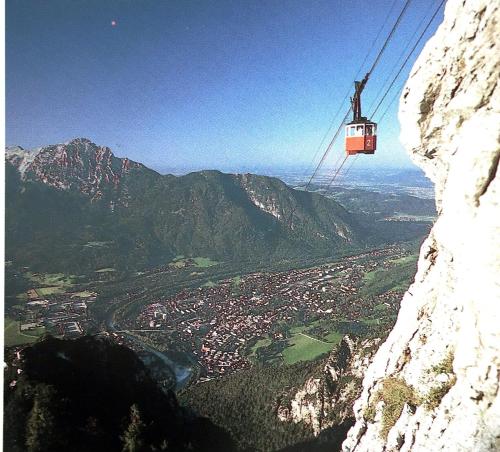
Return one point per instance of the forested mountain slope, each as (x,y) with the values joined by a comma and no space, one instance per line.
(76,207)
(92,394)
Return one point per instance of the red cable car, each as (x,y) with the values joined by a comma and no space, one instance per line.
(360,133)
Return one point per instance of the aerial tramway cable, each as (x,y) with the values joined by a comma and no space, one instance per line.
(393,81)
(395,26)
(328,149)
(336,173)
(394,97)
(349,90)
(400,58)
(365,80)
(408,57)
(342,175)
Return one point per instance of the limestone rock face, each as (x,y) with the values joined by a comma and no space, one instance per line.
(325,400)
(445,347)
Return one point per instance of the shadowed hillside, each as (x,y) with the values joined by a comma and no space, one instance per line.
(91,394)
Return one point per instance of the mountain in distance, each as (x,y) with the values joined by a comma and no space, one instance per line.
(77,207)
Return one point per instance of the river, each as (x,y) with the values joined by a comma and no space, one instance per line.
(182,373)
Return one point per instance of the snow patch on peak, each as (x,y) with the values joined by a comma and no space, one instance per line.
(14,149)
(21,158)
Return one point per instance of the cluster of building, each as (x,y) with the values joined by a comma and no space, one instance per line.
(62,314)
(216,324)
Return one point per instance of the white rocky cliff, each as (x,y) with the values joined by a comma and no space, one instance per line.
(434,384)
(325,400)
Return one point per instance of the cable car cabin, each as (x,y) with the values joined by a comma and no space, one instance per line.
(361,138)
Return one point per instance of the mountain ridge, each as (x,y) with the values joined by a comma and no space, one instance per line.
(78,163)
(206,213)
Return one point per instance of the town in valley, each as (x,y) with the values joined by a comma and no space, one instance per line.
(228,324)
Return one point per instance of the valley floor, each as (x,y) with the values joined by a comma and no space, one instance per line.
(278,317)
(196,319)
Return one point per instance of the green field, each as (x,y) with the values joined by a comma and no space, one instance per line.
(304,348)
(44,291)
(301,346)
(204,262)
(22,296)
(13,336)
(304,328)
(50,279)
(300,328)
(380,307)
(405,259)
(48,283)
(398,277)
(334,337)
(260,343)
(268,351)
(368,277)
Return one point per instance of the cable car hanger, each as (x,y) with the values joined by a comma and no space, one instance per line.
(360,133)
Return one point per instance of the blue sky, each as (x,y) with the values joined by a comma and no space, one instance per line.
(199,84)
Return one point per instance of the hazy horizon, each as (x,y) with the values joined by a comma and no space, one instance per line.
(199,84)
(368,164)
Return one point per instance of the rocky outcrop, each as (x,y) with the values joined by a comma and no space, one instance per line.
(21,158)
(434,384)
(78,164)
(326,400)
(272,196)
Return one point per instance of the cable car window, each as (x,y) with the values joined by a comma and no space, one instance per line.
(359,131)
(350,131)
(369,130)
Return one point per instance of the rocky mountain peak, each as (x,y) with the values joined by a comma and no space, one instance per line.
(80,140)
(14,150)
(433,385)
(19,157)
(77,164)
